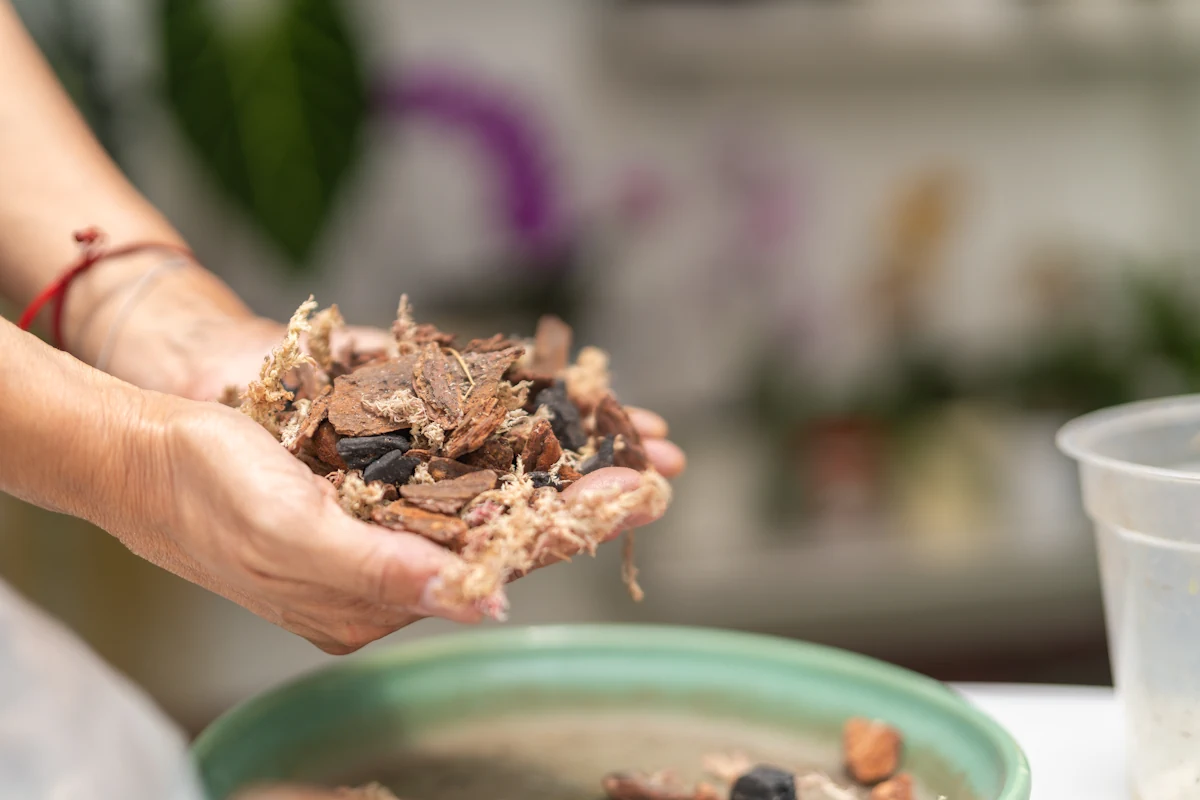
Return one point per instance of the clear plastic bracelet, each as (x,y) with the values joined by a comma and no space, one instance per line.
(139,288)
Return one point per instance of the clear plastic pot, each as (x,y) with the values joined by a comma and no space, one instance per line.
(1140,471)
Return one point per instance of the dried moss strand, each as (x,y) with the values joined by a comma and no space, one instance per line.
(629,570)
(319,338)
(290,432)
(404,329)
(513,542)
(267,397)
(359,498)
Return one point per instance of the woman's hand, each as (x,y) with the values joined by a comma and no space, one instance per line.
(202,491)
(252,523)
(246,519)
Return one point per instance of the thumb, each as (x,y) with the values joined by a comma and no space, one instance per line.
(610,479)
(363,340)
(388,568)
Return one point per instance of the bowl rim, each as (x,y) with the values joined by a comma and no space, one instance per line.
(677,638)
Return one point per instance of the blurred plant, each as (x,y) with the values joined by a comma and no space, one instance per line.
(1071,372)
(1079,370)
(510,139)
(1077,362)
(273,107)
(793,412)
(272,99)
(1168,335)
(545,251)
(919,226)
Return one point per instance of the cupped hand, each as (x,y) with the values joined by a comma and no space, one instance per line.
(244,518)
(252,523)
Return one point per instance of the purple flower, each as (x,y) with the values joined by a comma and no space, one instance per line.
(509,136)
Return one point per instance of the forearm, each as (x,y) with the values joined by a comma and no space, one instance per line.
(57,179)
(76,440)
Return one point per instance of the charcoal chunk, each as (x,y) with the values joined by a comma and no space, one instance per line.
(395,467)
(359,451)
(565,419)
(765,783)
(543,479)
(603,457)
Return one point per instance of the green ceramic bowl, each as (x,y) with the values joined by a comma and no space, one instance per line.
(544,712)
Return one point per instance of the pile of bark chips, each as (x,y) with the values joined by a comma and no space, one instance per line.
(469,446)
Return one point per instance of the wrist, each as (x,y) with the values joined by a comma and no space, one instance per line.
(125,462)
(138,317)
(77,441)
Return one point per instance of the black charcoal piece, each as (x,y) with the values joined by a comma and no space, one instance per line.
(395,467)
(765,783)
(603,457)
(359,451)
(564,416)
(544,479)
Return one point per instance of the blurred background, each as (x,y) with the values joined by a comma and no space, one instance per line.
(866,256)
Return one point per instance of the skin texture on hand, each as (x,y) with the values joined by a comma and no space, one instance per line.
(272,536)
(71,435)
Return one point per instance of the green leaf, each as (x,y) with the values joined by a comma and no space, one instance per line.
(274,111)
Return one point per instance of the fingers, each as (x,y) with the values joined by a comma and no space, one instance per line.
(666,457)
(648,424)
(624,480)
(364,340)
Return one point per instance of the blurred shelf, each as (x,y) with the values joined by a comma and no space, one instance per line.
(881,584)
(886,40)
(715,559)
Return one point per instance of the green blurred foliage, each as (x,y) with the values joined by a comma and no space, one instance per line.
(273,110)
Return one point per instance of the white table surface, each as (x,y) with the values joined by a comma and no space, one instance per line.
(1071,735)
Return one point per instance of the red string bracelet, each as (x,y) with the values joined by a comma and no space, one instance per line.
(92,252)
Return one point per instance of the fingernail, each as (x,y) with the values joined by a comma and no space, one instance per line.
(433,602)
(494,607)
